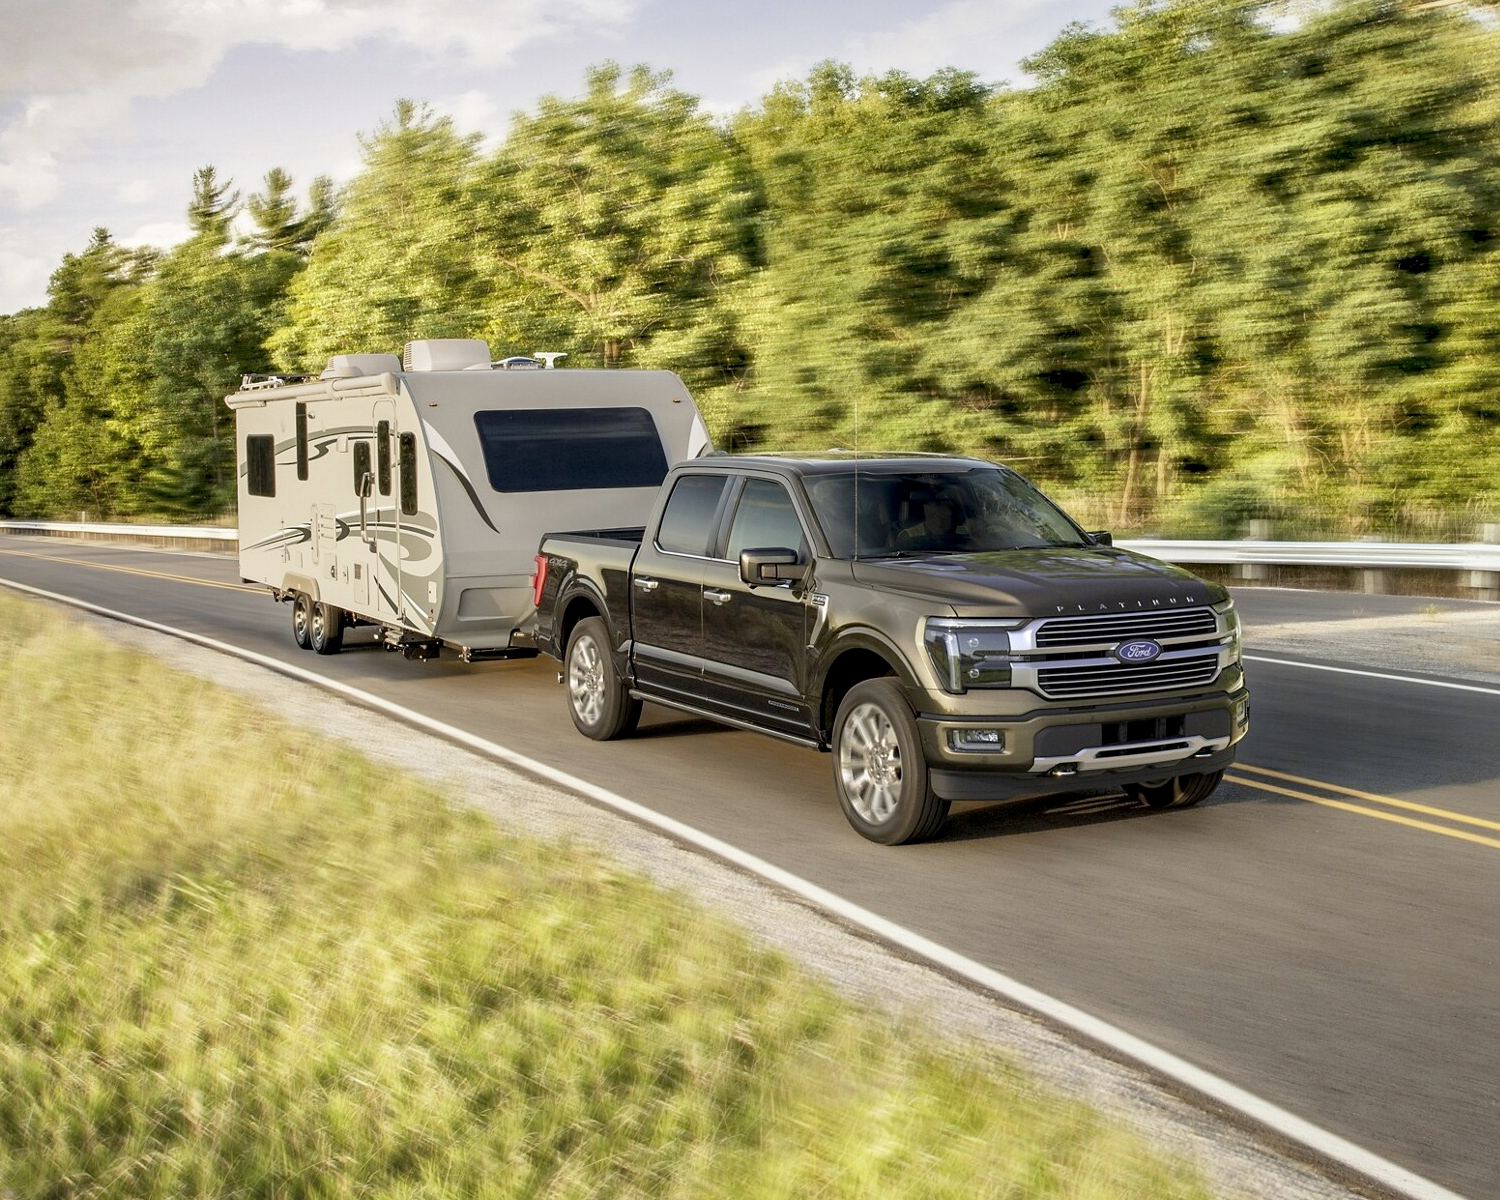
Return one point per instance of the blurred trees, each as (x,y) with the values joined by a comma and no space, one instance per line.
(1211,266)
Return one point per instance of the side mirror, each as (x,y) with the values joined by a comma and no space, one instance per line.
(770,565)
(1102,537)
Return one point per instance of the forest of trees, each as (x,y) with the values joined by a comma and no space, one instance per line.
(1215,264)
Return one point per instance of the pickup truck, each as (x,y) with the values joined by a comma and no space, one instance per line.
(934,621)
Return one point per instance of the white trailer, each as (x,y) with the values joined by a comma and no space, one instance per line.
(411,493)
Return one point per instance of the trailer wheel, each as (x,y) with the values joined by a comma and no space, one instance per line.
(598,700)
(879,770)
(327,633)
(1182,792)
(302,619)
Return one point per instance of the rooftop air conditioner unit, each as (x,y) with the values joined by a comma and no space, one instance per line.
(446,354)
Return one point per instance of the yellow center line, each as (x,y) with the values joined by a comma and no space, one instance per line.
(1461,834)
(83,562)
(1373,797)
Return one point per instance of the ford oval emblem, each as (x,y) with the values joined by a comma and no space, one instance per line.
(1144,650)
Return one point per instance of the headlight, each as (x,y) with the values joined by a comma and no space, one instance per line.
(1230,627)
(969,654)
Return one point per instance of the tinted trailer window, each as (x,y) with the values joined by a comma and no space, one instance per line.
(567,449)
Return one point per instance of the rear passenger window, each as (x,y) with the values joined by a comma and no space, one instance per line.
(687,523)
(763,519)
(260,464)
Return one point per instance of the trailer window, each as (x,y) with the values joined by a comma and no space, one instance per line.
(361,463)
(260,464)
(383,457)
(566,449)
(301,441)
(409,473)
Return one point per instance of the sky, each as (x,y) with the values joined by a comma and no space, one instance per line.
(107,107)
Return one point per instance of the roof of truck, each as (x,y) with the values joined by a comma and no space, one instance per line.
(826,462)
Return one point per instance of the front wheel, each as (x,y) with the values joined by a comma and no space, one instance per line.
(1182,792)
(598,700)
(879,770)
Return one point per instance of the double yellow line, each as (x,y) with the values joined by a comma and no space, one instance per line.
(1328,795)
(84,562)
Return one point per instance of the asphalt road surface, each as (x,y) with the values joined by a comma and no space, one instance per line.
(1323,931)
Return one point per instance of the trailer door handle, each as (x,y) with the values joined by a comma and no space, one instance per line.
(647,585)
(715,596)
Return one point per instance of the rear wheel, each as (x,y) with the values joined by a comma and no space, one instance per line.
(302,620)
(1182,792)
(879,770)
(598,700)
(327,633)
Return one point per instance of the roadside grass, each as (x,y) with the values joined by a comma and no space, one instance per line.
(237,960)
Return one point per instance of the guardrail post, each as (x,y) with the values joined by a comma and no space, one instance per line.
(1374,582)
(1486,584)
(1257,530)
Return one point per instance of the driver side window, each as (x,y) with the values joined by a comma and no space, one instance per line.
(764,518)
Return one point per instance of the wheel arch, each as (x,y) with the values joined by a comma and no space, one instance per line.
(859,656)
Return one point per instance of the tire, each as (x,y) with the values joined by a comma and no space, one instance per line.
(327,632)
(302,607)
(1182,792)
(879,770)
(598,700)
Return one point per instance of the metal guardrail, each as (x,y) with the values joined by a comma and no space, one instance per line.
(1470,556)
(186,533)
(1481,560)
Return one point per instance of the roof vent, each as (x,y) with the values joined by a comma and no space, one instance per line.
(351,366)
(446,354)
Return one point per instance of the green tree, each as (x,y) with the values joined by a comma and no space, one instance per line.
(615,226)
(399,262)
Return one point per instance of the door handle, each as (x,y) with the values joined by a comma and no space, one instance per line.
(716,596)
(647,585)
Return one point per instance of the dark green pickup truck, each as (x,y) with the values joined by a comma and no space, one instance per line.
(936,622)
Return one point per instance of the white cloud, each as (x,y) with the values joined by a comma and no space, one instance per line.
(472,112)
(137,191)
(161,234)
(74,67)
(23,279)
(983,36)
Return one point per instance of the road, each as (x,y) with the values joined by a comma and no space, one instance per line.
(1322,931)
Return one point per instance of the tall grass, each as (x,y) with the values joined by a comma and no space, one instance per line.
(239,961)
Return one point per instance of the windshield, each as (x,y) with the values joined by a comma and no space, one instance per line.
(936,512)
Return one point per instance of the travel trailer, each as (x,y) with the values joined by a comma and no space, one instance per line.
(411,493)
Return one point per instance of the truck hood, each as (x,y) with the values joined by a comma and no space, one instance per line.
(1041,583)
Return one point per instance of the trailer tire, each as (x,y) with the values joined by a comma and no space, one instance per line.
(879,769)
(327,632)
(598,700)
(302,619)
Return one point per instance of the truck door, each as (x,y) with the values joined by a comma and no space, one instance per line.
(666,594)
(755,641)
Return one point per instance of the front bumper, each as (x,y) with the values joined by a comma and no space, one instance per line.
(1103,746)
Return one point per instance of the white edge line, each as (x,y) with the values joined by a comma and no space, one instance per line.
(1437,683)
(1328,1146)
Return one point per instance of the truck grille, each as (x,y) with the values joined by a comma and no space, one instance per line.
(1122,627)
(1119,679)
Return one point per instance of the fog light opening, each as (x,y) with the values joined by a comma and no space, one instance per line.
(977,739)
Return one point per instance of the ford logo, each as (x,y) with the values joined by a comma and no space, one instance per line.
(1137,652)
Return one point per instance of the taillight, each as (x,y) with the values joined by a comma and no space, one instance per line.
(539,580)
